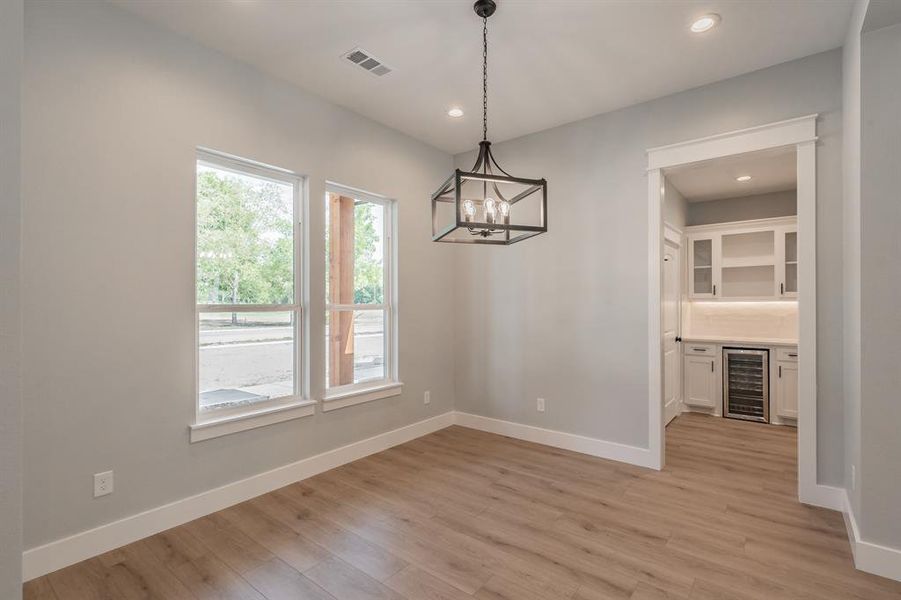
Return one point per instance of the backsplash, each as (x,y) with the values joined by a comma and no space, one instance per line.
(778,320)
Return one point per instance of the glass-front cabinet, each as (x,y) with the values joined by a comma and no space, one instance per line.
(702,282)
(788,286)
(749,260)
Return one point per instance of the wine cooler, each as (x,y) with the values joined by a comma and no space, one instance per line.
(746,384)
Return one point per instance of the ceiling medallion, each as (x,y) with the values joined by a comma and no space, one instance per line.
(487,205)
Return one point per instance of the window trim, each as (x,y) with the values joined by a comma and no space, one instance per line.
(214,423)
(390,385)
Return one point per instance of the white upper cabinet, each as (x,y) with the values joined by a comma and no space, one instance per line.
(788,276)
(750,260)
(702,283)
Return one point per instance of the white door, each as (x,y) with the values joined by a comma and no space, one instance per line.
(787,389)
(700,381)
(672,308)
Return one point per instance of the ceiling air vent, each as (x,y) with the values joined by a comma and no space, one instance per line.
(366,61)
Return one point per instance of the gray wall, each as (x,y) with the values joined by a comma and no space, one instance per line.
(762,206)
(113,111)
(10,313)
(564,316)
(675,207)
(880,310)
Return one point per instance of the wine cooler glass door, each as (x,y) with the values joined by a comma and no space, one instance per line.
(746,384)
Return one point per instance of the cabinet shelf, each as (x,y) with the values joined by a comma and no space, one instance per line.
(749,261)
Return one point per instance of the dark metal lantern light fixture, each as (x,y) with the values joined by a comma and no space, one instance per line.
(487,205)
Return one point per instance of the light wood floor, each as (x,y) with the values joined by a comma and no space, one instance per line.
(461,514)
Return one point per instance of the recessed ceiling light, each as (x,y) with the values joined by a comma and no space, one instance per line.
(743,178)
(455,112)
(705,23)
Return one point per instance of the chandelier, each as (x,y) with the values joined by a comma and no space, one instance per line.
(487,205)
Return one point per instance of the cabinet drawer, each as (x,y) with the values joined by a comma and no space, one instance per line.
(699,349)
(790,354)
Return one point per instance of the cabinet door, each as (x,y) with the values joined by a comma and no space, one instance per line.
(703,262)
(787,389)
(700,381)
(788,251)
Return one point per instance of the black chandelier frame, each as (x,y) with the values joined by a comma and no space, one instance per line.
(487,171)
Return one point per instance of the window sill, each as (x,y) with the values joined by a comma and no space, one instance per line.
(213,428)
(343,399)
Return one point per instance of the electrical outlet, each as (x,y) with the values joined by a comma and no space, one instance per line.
(541,405)
(103,483)
(853,478)
(427,397)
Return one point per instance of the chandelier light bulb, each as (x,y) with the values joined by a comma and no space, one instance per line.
(469,210)
(490,210)
(503,207)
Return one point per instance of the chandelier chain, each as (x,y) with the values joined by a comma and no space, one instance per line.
(484,78)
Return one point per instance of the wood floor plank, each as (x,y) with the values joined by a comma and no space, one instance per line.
(283,542)
(464,514)
(277,580)
(372,559)
(348,583)
(38,589)
(228,543)
(413,582)
(200,571)
(138,574)
(87,580)
(501,588)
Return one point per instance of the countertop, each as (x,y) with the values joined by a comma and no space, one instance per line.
(710,339)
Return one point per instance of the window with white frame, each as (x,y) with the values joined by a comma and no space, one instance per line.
(361,339)
(248,284)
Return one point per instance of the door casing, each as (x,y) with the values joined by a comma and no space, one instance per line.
(799,133)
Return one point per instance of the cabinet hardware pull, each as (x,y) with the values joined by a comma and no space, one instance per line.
(714,289)
(780,371)
(700,349)
(782,289)
(711,366)
(793,354)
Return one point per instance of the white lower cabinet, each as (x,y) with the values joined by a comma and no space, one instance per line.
(700,381)
(785,390)
(703,379)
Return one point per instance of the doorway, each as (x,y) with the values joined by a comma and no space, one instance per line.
(799,133)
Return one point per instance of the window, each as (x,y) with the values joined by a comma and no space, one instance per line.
(361,340)
(249,313)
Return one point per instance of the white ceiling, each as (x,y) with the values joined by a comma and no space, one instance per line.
(770,171)
(550,62)
(882,13)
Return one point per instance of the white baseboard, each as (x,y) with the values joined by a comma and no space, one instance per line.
(870,557)
(824,496)
(67,551)
(558,439)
